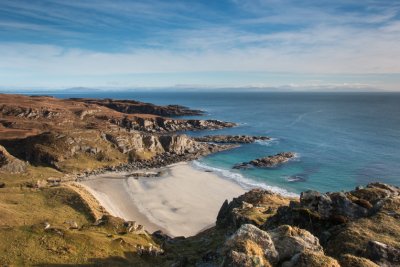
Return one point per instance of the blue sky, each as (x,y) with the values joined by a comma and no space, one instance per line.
(316,45)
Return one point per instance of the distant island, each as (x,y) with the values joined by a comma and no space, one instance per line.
(110,182)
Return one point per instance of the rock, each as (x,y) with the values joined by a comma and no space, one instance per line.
(72,225)
(290,241)
(348,260)
(145,174)
(41,183)
(250,246)
(46,225)
(252,207)
(383,254)
(291,246)
(9,163)
(332,204)
(233,139)
(267,162)
(2,185)
(311,259)
(161,235)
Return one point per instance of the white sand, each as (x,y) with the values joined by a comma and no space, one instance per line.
(182,203)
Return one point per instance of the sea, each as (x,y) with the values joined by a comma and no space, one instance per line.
(342,140)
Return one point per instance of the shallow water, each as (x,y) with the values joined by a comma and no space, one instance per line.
(342,139)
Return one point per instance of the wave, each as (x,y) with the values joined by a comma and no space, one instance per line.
(270,142)
(244,182)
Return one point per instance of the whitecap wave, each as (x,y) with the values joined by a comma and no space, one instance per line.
(244,182)
(270,142)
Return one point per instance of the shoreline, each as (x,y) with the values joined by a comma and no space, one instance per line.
(182,202)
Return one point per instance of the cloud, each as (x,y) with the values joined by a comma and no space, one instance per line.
(122,40)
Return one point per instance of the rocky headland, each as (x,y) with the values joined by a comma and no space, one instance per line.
(74,135)
(137,107)
(267,162)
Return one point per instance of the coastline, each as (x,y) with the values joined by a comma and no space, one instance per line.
(182,202)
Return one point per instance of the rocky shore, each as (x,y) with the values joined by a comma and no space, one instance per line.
(267,162)
(231,139)
(89,135)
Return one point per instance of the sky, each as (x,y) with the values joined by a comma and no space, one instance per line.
(281,44)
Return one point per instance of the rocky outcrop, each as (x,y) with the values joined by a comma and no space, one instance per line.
(135,107)
(163,125)
(341,207)
(285,245)
(338,218)
(253,207)
(19,113)
(110,151)
(267,162)
(9,163)
(29,113)
(356,228)
(232,139)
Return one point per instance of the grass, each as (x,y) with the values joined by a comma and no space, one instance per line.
(25,242)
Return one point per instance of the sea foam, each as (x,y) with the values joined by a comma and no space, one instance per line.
(270,142)
(244,182)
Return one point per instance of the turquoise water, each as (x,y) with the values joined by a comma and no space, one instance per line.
(342,139)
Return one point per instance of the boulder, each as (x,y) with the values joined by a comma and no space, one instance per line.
(250,246)
(290,241)
(9,163)
(252,207)
(383,254)
(286,245)
(311,259)
(348,260)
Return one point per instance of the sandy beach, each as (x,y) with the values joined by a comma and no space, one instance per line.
(182,202)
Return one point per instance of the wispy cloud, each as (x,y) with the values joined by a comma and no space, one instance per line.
(84,40)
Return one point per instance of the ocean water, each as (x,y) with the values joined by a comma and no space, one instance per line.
(342,139)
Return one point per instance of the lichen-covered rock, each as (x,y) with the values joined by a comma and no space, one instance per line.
(331,204)
(348,260)
(292,240)
(311,259)
(250,246)
(383,254)
(252,207)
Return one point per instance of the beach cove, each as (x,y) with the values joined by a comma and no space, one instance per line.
(182,202)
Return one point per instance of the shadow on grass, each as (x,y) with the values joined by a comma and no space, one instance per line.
(129,259)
